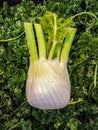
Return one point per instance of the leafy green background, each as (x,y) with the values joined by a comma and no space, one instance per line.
(15,112)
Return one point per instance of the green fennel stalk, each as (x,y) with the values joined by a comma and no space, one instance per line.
(31,41)
(41,50)
(40,41)
(54,37)
(67,45)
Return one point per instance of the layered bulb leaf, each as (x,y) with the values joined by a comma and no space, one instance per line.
(48,85)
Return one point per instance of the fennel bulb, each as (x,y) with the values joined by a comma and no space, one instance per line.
(48,83)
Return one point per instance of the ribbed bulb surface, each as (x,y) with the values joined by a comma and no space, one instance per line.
(48,85)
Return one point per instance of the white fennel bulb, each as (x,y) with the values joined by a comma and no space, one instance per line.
(48,85)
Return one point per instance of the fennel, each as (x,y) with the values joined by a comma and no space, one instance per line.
(48,83)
